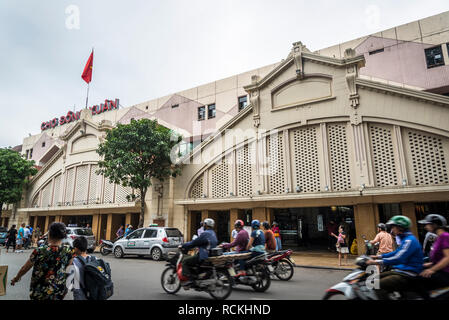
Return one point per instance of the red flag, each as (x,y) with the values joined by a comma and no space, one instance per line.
(87,73)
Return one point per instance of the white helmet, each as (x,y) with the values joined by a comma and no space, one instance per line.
(209,222)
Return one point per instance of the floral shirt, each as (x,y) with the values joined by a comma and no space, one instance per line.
(48,281)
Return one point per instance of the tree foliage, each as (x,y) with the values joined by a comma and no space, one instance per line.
(133,154)
(15,172)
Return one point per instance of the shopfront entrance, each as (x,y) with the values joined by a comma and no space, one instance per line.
(423,209)
(79,221)
(306,228)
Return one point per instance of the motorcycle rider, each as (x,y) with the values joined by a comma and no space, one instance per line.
(437,273)
(256,244)
(206,241)
(241,241)
(407,260)
(384,238)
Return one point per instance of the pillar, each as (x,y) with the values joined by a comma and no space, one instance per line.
(47,221)
(109,231)
(408,210)
(260,214)
(233,215)
(95,226)
(365,216)
(58,218)
(204,214)
(128,219)
(35,222)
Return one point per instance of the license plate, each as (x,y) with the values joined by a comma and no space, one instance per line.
(231,272)
(292,261)
(270,267)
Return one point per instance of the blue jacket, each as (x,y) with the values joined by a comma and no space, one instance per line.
(408,256)
(207,240)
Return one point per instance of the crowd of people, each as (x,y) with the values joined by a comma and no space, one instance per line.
(24,238)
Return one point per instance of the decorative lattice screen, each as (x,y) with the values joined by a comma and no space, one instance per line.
(306,159)
(57,192)
(92,198)
(121,193)
(46,195)
(197,188)
(82,178)
(428,159)
(220,180)
(245,168)
(339,157)
(383,155)
(275,147)
(69,185)
(108,191)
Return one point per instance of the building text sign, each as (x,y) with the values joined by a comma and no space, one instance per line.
(73,116)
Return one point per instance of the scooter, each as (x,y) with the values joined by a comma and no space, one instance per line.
(356,286)
(280,264)
(214,275)
(106,246)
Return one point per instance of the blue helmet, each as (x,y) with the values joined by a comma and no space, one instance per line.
(255,224)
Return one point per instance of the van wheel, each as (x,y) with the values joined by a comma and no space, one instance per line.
(118,252)
(156,254)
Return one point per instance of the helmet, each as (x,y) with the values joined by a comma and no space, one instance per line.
(239,223)
(434,218)
(255,224)
(266,225)
(209,222)
(400,221)
(382,226)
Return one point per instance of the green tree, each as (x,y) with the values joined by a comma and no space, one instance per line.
(134,154)
(15,172)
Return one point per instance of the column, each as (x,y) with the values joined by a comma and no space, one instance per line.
(109,232)
(365,216)
(95,226)
(58,218)
(47,220)
(128,219)
(260,214)
(408,210)
(35,222)
(204,214)
(233,215)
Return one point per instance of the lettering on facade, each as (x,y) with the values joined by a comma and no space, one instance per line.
(71,116)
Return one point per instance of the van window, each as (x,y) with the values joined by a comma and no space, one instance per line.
(84,232)
(150,233)
(173,232)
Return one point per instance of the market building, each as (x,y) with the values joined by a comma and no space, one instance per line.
(353,133)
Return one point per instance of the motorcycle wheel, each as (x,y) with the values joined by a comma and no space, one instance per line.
(170,281)
(223,288)
(284,270)
(334,296)
(104,251)
(264,282)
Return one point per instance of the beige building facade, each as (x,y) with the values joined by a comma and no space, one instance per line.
(316,139)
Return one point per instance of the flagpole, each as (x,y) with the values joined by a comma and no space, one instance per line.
(87,96)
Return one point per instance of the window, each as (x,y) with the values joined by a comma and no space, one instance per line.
(136,234)
(173,232)
(434,57)
(84,232)
(376,51)
(211,111)
(243,102)
(146,108)
(150,233)
(201,113)
(31,153)
(28,153)
(175,106)
(43,144)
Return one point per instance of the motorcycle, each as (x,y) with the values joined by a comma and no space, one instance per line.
(257,273)
(106,246)
(280,264)
(214,275)
(355,287)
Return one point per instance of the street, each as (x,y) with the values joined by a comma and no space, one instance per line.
(139,279)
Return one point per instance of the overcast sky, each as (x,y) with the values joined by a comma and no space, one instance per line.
(148,49)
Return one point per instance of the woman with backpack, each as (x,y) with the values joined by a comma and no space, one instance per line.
(80,248)
(49,263)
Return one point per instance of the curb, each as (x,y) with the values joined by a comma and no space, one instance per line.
(323,267)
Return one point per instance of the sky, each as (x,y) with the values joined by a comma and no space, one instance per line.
(144,49)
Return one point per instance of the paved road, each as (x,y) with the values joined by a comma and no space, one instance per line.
(139,279)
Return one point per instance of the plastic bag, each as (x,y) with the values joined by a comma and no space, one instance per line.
(354,247)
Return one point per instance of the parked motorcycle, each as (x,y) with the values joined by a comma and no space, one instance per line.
(106,246)
(281,264)
(355,287)
(214,275)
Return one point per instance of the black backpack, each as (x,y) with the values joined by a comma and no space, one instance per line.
(98,283)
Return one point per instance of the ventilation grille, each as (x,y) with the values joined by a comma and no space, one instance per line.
(306,159)
(245,176)
(108,191)
(339,158)
(46,195)
(383,154)
(93,184)
(121,192)
(429,164)
(82,178)
(197,188)
(57,192)
(276,165)
(69,186)
(220,180)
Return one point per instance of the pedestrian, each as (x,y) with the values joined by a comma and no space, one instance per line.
(120,232)
(37,235)
(49,263)
(26,237)
(342,246)
(385,240)
(11,238)
(270,241)
(128,229)
(81,258)
(201,229)
(331,229)
(20,237)
(277,235)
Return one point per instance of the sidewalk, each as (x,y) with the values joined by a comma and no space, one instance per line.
(325,260)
